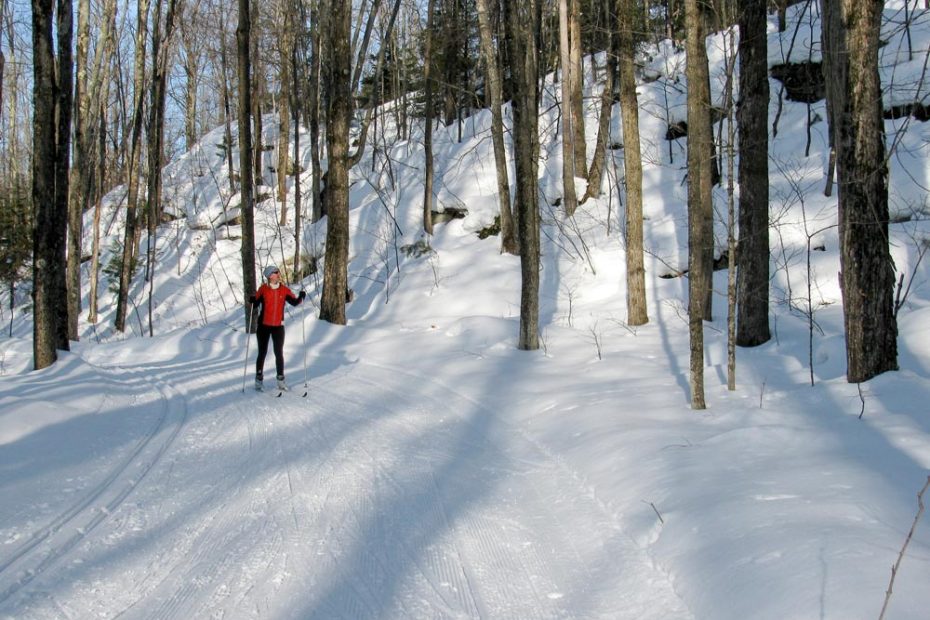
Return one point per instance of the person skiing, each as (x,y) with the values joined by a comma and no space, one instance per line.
(271,295)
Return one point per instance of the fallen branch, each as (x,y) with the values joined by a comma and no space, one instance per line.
(910,534)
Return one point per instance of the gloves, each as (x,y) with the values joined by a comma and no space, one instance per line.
(301,295)
(252,299)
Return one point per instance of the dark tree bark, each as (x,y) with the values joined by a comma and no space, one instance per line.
(752,318)
(522,29)
(851,40)
(338,67)
(51,139)
(246,187)
(700,139)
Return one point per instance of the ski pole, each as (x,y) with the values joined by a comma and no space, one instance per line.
(303,332)
(248,339)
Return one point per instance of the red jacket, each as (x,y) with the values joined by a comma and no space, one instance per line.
(272,301)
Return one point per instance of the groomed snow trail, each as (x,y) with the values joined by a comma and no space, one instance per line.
(380,495)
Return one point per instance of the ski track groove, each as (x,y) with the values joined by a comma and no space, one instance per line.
(199,569)
(482,533)
(487,545)
(86,514)
(387,538)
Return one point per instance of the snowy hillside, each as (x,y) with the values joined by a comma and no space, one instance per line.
(422,466)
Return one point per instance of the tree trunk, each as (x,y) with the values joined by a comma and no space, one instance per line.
(101,102)
(752,322)
(258,89)
(596,171)
(295,114)
(362,51)
(338,65)
(161,41)
(134,171)
(851,41)
(243,48)
(428,121)
(190,103)
(699,193)
(579,142)
(379,65)
(633,169)
(569,195)
(508,236)
(52,95)
(314,115)
(522,28)
(286,38)
(80,184)
(227,113)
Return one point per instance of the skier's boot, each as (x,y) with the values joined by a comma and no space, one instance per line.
(259,386)
(281,383)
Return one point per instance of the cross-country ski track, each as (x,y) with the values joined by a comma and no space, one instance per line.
(366,499)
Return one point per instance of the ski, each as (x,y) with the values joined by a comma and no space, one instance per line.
(277,393)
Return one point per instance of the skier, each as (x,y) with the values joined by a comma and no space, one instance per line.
(272,295)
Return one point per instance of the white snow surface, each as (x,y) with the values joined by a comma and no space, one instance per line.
(423,467)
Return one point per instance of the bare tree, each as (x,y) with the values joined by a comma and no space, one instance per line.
(851,42)
(569,196)
(134,169)
(428,121)
(246,187)
(508,234)
(338,68)
(161,41)
(596,170)
(752,256)
(633,168)
(522,24)
(81,172)
(699,192)
(313,102)
(52,94)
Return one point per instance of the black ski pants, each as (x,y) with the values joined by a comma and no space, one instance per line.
(276,334)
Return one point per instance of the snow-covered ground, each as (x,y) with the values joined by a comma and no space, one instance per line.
(432,470)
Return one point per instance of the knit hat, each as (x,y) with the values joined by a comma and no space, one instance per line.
(270,269)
